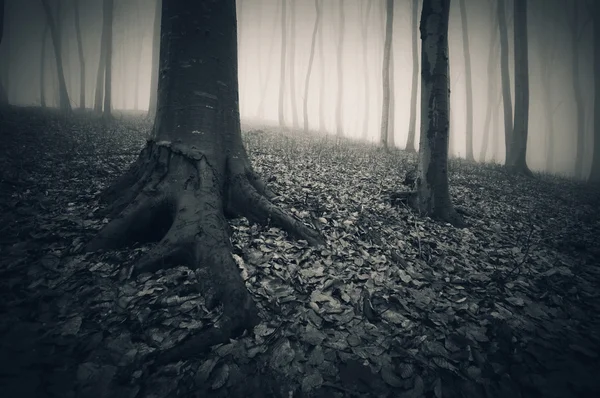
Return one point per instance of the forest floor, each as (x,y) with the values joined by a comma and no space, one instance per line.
(396,305)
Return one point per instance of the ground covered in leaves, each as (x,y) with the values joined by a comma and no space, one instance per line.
(396,305)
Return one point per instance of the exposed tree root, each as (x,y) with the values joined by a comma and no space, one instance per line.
(176,197)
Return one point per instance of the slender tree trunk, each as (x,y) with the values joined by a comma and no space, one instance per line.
(387,49)
(99,95)
(391,142)
(496,128)
(282,63)
(81,57)
(293,65)
(576,33)
(412,123)
(310,62)
(468,80)
(3,93)
(492,87)
(155,57)
(595,171)
(433,196)
(505,75)
(265,83)
(516,160)
(43,66)
(108,26)
(365,46)
(65,104)
(322,127)
(339,117)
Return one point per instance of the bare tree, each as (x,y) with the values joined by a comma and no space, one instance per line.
(43,66)
(322,77)
(310,62)
(387,49)
(468,80)
(595,172)
(412,124)
(492,87)
(108,6)
(391,142)
(155,56)
(282,62)
(81,57)
(365,60)
(64,102)
(340,74)
(293,64)
(505,75)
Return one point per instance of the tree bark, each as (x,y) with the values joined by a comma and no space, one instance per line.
(387,49)
(433,196)
(412,123)
(81,57)
(468,81)
(595,171)
(391,142)
(107,25)
(293,65)
(516,159)
(492,87)
(505,76)
(310,62)
(155,57)
(577,29)
(365,44)
(195,171)
(43,67)
(322,127)
(3,93)
(99,94)
(282,63)
(64,102)
(339,117)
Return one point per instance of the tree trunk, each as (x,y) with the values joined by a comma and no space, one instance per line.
(365,44)
(468,81)
(412,124)
(387,49)
(282,63)
(492,87)
(391,142)
(310,63)
(595,171)
(505,76)
(576,32)
(65,104)
(339,117)
(195,171)
(43,67)
(107,26)
(155,57)
(293,65)
(99,95)
(433,196)
(3,93)
(81,57)
(516,160)
(322,127)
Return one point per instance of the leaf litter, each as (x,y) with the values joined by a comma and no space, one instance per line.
(396,304)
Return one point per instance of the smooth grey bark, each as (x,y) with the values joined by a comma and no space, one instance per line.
(64,102)
(155,58)
(108,7)
(387,49)
(595,171)
(282,63)
(492,87)
(339,117)
(412,122)
(505,76)
(322,127)
(391,142)
(311,58)
(365,60)
(80,54)
(293,65)
(516,159)
(468,81)
(433,196)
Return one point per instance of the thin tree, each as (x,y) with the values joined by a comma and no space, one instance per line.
(365,59)
(387,49)
(293,64)
(505,75)
(412,123)
(155,56)
(99,94)
(391,142)
(516,158)
(64,102)
(433,196)
(322,78)
(80,53)
(339,125)
(492,87)
(595,172)
(468,80)
(108,26)
(3,94)
(184,182)
(311,58)
(43,66)
(282,63)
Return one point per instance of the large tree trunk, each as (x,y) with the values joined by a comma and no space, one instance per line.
(505,76)
(433,196)
(310,63)
(81,57)
(107,26)
(339,108)
(64,102)
(195,171)
(282,63)
(516,160)
(43,67)
(412,123)
(387,49)
(155,57)
(492,87)
(3,93)
(468,80)
(293,65)
(365,59)
(595,172)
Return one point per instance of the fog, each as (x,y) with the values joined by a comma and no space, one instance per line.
(551,65)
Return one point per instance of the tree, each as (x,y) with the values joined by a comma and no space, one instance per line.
(43,66)
(414,19)
(81,57)
(195,171)
(3,94)
(595,172)
(64,102)
(293,64)
(310,62)
(340,75)
(155,56)
(282,63)
(322,78)
(365,59)
(433,196)
(391,143)
(516,158)
(387,49)
(108,26)
(505,75)
(468,80)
